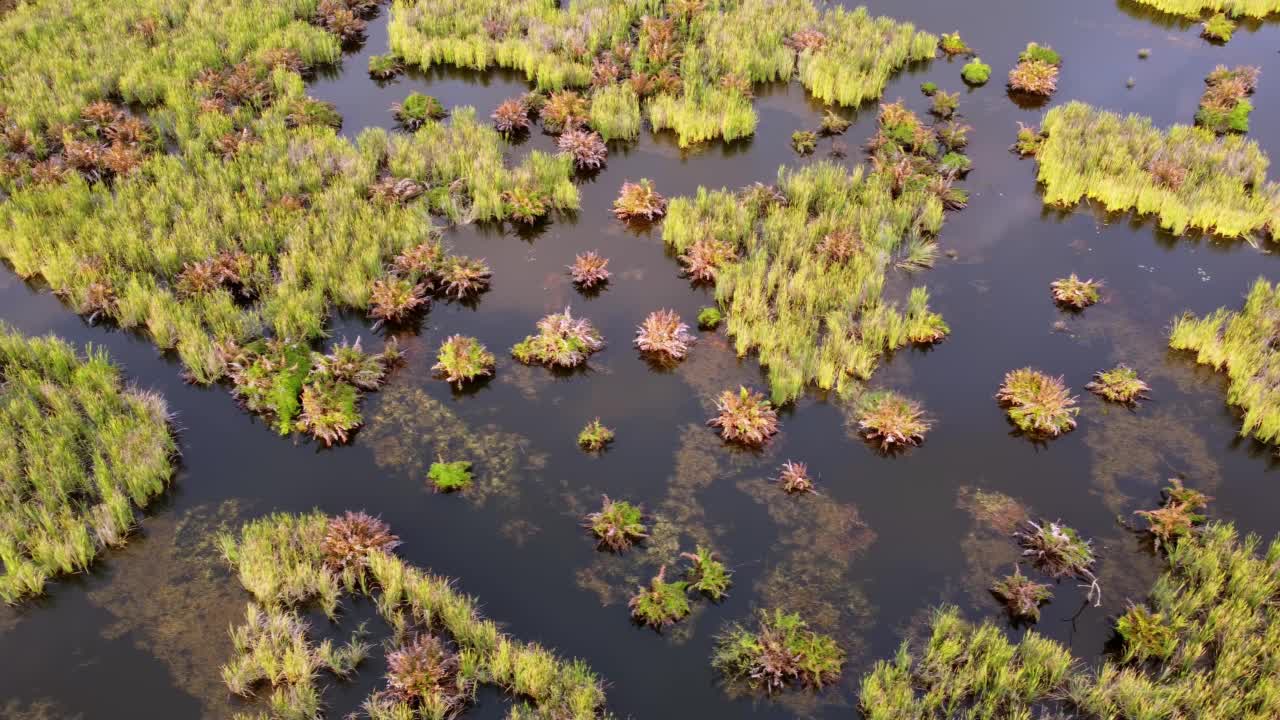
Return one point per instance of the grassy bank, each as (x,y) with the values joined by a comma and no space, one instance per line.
(691,66)
(1196,8)
(216,205)
(440,648)
(1186,176)
(80,456)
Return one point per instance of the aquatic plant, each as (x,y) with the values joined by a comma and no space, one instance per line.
(417,109)
(929,88)
(385,67)
(450,476)
(638,201)
(1225,106)
(1178,516)
(1101,155)
(945,103)
(562,341)
(1242,344)
(615,112)
(1218,27)
(1022,597)
(707,574)
(618,525)
(350,537)
(783,650)
(329,412)
(661,603)
(586,147)
(511,116)
(564,110)
(804,141)
(794,478)
(892,420)
(1059,551)
(1119,384)
(1038,404)
(704,258)
(662,334)
(1036,71)
(394,299)
(1029,140)
(589,270)
(594,436)
(952,44)
(462,359)
(709,318)
(80,456)
(976,72)
(1075,293)
(463,277)
(1196,8)
(745,417)
(279,560)
(834,123)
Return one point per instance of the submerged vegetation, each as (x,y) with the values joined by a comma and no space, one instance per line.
(291,562)
(1187,177)
(688,67)
(781,652)
(1038,404)
(1225,105)
(1244,345)
(799,269)
(80,456)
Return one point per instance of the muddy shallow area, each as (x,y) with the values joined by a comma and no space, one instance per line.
(887,538)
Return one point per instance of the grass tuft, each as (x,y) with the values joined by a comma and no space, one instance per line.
(1038,404)
(782,651)
(595,436)
(450,476)
(745,417)
(1120,384)
(618,525)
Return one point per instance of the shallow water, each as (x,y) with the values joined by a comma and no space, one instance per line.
(887,539)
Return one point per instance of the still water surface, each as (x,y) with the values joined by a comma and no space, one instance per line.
(887,538)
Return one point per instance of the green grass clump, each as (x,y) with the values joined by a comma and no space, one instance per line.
(929,88)
(463,359)
(1040,53)
(1187,176)
(707,574)
(781,652)
(80,455)
(286,562)
(952,44)
(804,141)
(1029,140)
(799,270)
(1218,27)
(417,109)
(595,436)
(687,68)
(562,341)
(1120,384)
(618,525)
(1241,343)
(1021,595)
(662,603)
(450,476)
(1038,404)
(1225,105)
(385,67)
(709,318)
(1236,8)
(976,72)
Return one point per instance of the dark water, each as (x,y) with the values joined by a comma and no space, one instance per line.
(887,539)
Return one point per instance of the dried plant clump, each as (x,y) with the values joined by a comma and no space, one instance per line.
(1178,517)
(448,477)
(351,537)
(1021,595)
(1167,172)
(745,417)
(794,478)
(1225,104)
(707,574)
(1036,77)
(804,141)
(586,147)
(703,260)
(807,39)
(564,110)
(638,201)
(395,299)
(783,651)
(834,123)
(424,673)
(416,110)
(664,335)
(329,412)
(1072,292)
(1120,384)
(595,436)
(618,525)
(338,18)
(462,277)
(589,270)
(463,359)
(1059,551)
(839,246)
(945,103)
(1038,404)
(662,603)
(562,341)
(395,190)
(349,363)
(892,421)
(511,117)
